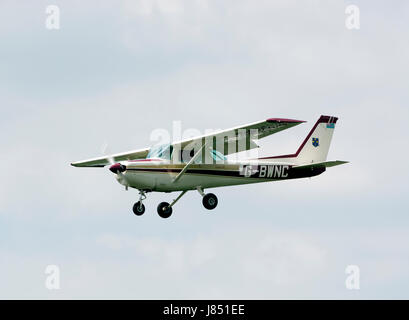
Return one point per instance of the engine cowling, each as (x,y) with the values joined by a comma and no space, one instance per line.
(117,167)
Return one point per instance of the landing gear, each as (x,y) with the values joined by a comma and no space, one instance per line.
(138,208)
(164,210)
(209,199)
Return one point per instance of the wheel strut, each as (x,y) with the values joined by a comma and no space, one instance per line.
(176,200)
(139,208)
(165,209)
(200,191)
(142,195)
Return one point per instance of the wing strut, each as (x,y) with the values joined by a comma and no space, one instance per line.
(181,173)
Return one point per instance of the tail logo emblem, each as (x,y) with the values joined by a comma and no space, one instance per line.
(315,142)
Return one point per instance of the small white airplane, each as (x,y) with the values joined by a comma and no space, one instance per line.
(200,163)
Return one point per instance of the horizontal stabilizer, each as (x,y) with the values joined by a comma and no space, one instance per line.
(324,164)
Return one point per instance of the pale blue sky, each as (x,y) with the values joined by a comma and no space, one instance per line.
(117,70)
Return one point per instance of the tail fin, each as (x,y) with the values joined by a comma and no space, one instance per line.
(315,147)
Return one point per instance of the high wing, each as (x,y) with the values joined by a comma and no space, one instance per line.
(226,142)
(105,160)
(239,138)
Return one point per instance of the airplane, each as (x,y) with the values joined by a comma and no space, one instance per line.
(202,162)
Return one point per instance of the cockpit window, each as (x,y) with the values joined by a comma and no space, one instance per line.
(218,156)
(163,151)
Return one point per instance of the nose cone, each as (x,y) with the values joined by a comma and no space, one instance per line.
(117,167)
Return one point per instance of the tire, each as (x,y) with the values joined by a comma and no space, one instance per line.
(164,210)
(138,208)
(210,201)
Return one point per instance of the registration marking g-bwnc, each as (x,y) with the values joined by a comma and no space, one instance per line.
(266,171)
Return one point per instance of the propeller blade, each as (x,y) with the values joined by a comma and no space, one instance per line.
(116,167)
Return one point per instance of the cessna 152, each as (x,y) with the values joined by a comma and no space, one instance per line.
(200,163)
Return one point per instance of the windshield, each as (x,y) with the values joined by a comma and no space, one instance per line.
(163,151)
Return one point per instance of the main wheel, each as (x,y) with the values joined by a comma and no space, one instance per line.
(210,201)
(164,210)
(138,208)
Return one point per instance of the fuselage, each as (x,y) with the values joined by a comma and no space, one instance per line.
(209,161)
(159,174)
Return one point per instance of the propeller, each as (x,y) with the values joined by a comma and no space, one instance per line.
(116,167)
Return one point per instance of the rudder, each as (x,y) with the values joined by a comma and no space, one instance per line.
(315,146)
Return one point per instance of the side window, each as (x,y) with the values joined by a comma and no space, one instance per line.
(166,152)
(163,152)
(218,156)
(186,155)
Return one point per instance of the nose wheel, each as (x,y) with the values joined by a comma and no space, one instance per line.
(139,208)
